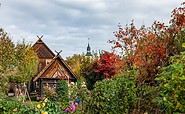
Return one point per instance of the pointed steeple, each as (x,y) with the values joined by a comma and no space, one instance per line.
(88,49)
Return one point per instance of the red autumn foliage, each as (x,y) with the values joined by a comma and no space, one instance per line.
(178,17)
(146,49)
(108,65)
(176,30)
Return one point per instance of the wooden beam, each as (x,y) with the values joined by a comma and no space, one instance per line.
(58,52)
(39,37)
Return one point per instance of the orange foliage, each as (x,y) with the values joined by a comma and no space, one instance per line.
(147,49)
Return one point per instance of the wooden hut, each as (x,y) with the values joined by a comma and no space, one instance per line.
(51,68)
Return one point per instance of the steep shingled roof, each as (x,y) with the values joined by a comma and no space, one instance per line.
(42,50)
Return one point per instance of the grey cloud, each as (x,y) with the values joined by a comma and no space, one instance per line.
(66,24)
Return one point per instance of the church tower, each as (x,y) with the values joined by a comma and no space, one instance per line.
(88,50)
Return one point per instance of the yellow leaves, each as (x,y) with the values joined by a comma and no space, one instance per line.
(15,110)
(178,105)
(164,98)
(45,100)
(43,105)
(38,106)
(183,45)
(1,68)
(177,62)
(42,112)
(166,85)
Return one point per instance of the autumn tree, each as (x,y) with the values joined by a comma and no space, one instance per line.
(26,63)
(172,77)
(104,68)
(176,30)
(147,49)
(144,49)
(7,58)
(18,62)
(78,63)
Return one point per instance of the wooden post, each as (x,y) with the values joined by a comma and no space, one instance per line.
(26,92)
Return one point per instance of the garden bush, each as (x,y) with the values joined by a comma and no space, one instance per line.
(84,95)
(18,106)
(114,96)
(172,84)
(146,95)
(59,95)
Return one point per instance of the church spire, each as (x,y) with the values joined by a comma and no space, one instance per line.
(88,49)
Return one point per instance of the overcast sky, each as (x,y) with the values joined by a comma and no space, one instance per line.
(67,24)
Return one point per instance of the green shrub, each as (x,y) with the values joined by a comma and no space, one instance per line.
(114,96)
(7,106)
(62,94)
(84,95)
(172,84)
(50,93)
(17,106)
(146,95)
